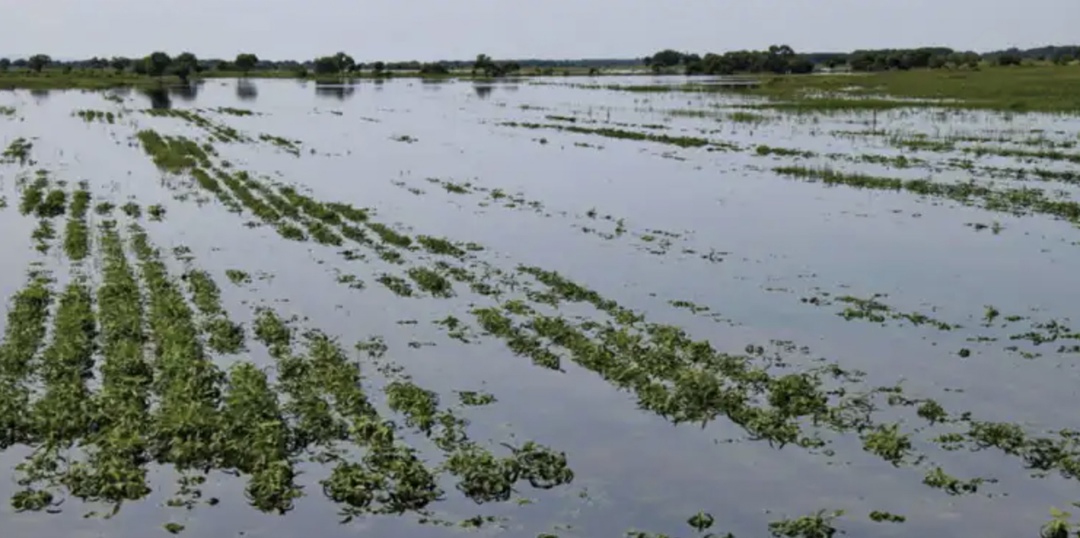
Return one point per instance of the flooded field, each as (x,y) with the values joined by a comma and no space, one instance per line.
(539,308)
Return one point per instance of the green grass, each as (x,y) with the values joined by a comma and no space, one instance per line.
(1028,88)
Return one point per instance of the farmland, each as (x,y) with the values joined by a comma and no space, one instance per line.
(539,307)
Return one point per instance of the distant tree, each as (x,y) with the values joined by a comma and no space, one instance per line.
(98,63)
(345,63)
(664,59)
(434,69)
(119,64)
(5,64)
(483,64)
(245,62)
(337,64)
(222,65)
(38,62)
(378,68)
(184,65)
(325,65)
(800,65)
(1009,58)
(21,63)
(157,63)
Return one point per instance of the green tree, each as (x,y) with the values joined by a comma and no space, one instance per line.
(245,62)
(184,65)
(664,59)
(5,64)
(337,64)
(345,63)
(38,62)
(483,64)
(434,69)
(157,63)
(325,65)
(119,64)
(378,68)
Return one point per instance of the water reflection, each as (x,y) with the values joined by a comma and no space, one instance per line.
(432,83)
(185,92)
(335,91)
(159,98)
(483,90)
(246,90)
(39,95)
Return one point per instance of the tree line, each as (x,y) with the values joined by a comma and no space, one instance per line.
(776,59)
(783,59)
(186,64)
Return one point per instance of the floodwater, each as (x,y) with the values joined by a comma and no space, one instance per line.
(775,241)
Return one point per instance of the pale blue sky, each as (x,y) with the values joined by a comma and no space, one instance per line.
(459,29)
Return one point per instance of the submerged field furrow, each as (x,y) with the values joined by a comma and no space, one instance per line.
(63,414)
(24,335)
(187,385)
(116,468)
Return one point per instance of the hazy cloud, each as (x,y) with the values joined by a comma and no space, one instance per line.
(442,29)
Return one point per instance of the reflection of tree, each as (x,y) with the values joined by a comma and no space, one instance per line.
(185,92)
(483,90)
(379,83)
(246,90)
(431,83)
(40,94)
(510,87)
(159,98)
(334,91)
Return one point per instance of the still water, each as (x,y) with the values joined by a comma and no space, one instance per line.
(774,242)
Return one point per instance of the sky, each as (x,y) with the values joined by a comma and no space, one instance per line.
(429,30)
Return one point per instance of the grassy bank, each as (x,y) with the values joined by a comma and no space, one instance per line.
(1029,88)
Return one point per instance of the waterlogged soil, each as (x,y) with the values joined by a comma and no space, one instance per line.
(663,312)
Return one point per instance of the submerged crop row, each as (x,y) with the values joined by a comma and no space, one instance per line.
(1013,200)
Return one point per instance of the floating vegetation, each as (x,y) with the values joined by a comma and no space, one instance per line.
(17,151)
(34,194)
(431,282)
(156,212)
(132,210)
(91,116)
(1012,200)
(234,111)
(43,234)
(681,141)
(237,276)
(52,205)
(396,284)
(291,146)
